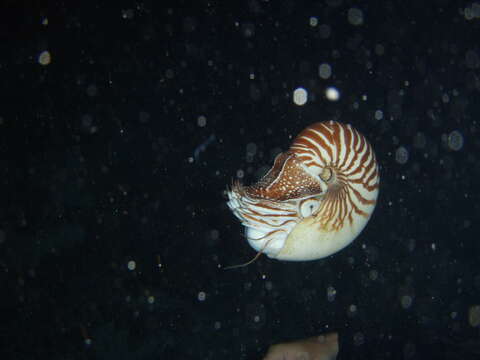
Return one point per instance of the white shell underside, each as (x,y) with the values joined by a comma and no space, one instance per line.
(299,238)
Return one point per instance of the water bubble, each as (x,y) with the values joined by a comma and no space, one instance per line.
(131,265)
(300,96)
(44,58)
(378,115)
(455,140)
(325,71)
(355,16)
(313,21)
(474,316)
(332,93)
(202,121)
(401,155)
(202,296)
(331,293)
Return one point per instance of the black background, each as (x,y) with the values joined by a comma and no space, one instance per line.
(99,169)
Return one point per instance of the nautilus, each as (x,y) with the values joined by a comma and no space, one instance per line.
(315,200)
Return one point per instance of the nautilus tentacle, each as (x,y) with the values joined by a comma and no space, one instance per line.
(317,197)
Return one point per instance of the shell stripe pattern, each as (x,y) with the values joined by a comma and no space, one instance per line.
(350,156)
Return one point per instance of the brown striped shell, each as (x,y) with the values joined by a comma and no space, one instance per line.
(316,198)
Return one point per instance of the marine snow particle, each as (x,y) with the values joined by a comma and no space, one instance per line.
(131,265)
(325,71)
(201,296)
(201,121)
(455,140)
(44,58)
(406,301)
(355,16)
(313,21)
(401,155)
(300,96)
(332,93)
(378,115)
(474,316)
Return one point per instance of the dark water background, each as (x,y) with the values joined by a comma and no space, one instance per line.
(123,122)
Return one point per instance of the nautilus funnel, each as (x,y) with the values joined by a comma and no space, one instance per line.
(317,197)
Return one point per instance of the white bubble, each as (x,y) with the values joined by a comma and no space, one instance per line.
(474,316)
(202,121)
(300,96)
(401,155)
(131,265)
(332,93)
(313,21)
(325,71)
(378,115)
(44,58)
(455,140)
(201,296)
(331,293)
(355,16)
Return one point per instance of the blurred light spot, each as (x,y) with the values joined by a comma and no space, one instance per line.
(313,21)
(455,140)
(201,121)
(325,71)
(401,155)
(324,30)
(474,316)
(332,93)
(44,58)
(300,96)
(248,30)
(202,296)
(131,265)
(419,141)
(378,115)
(406,301)
(331,293)
(358,339)
(355,16)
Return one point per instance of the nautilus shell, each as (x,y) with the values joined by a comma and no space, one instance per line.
(317,197)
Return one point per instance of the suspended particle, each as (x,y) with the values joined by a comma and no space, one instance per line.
(325,71)
(331,293)
(406,301)
(355,16)
(313,21)
(378,115)
(202,296)
(44,58)
(455,140)
(474,316)
(201,121)
(332,93)
(401,155)
(131,265)
(300,96)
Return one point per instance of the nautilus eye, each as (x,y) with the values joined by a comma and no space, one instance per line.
(309,207)
(317,197)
